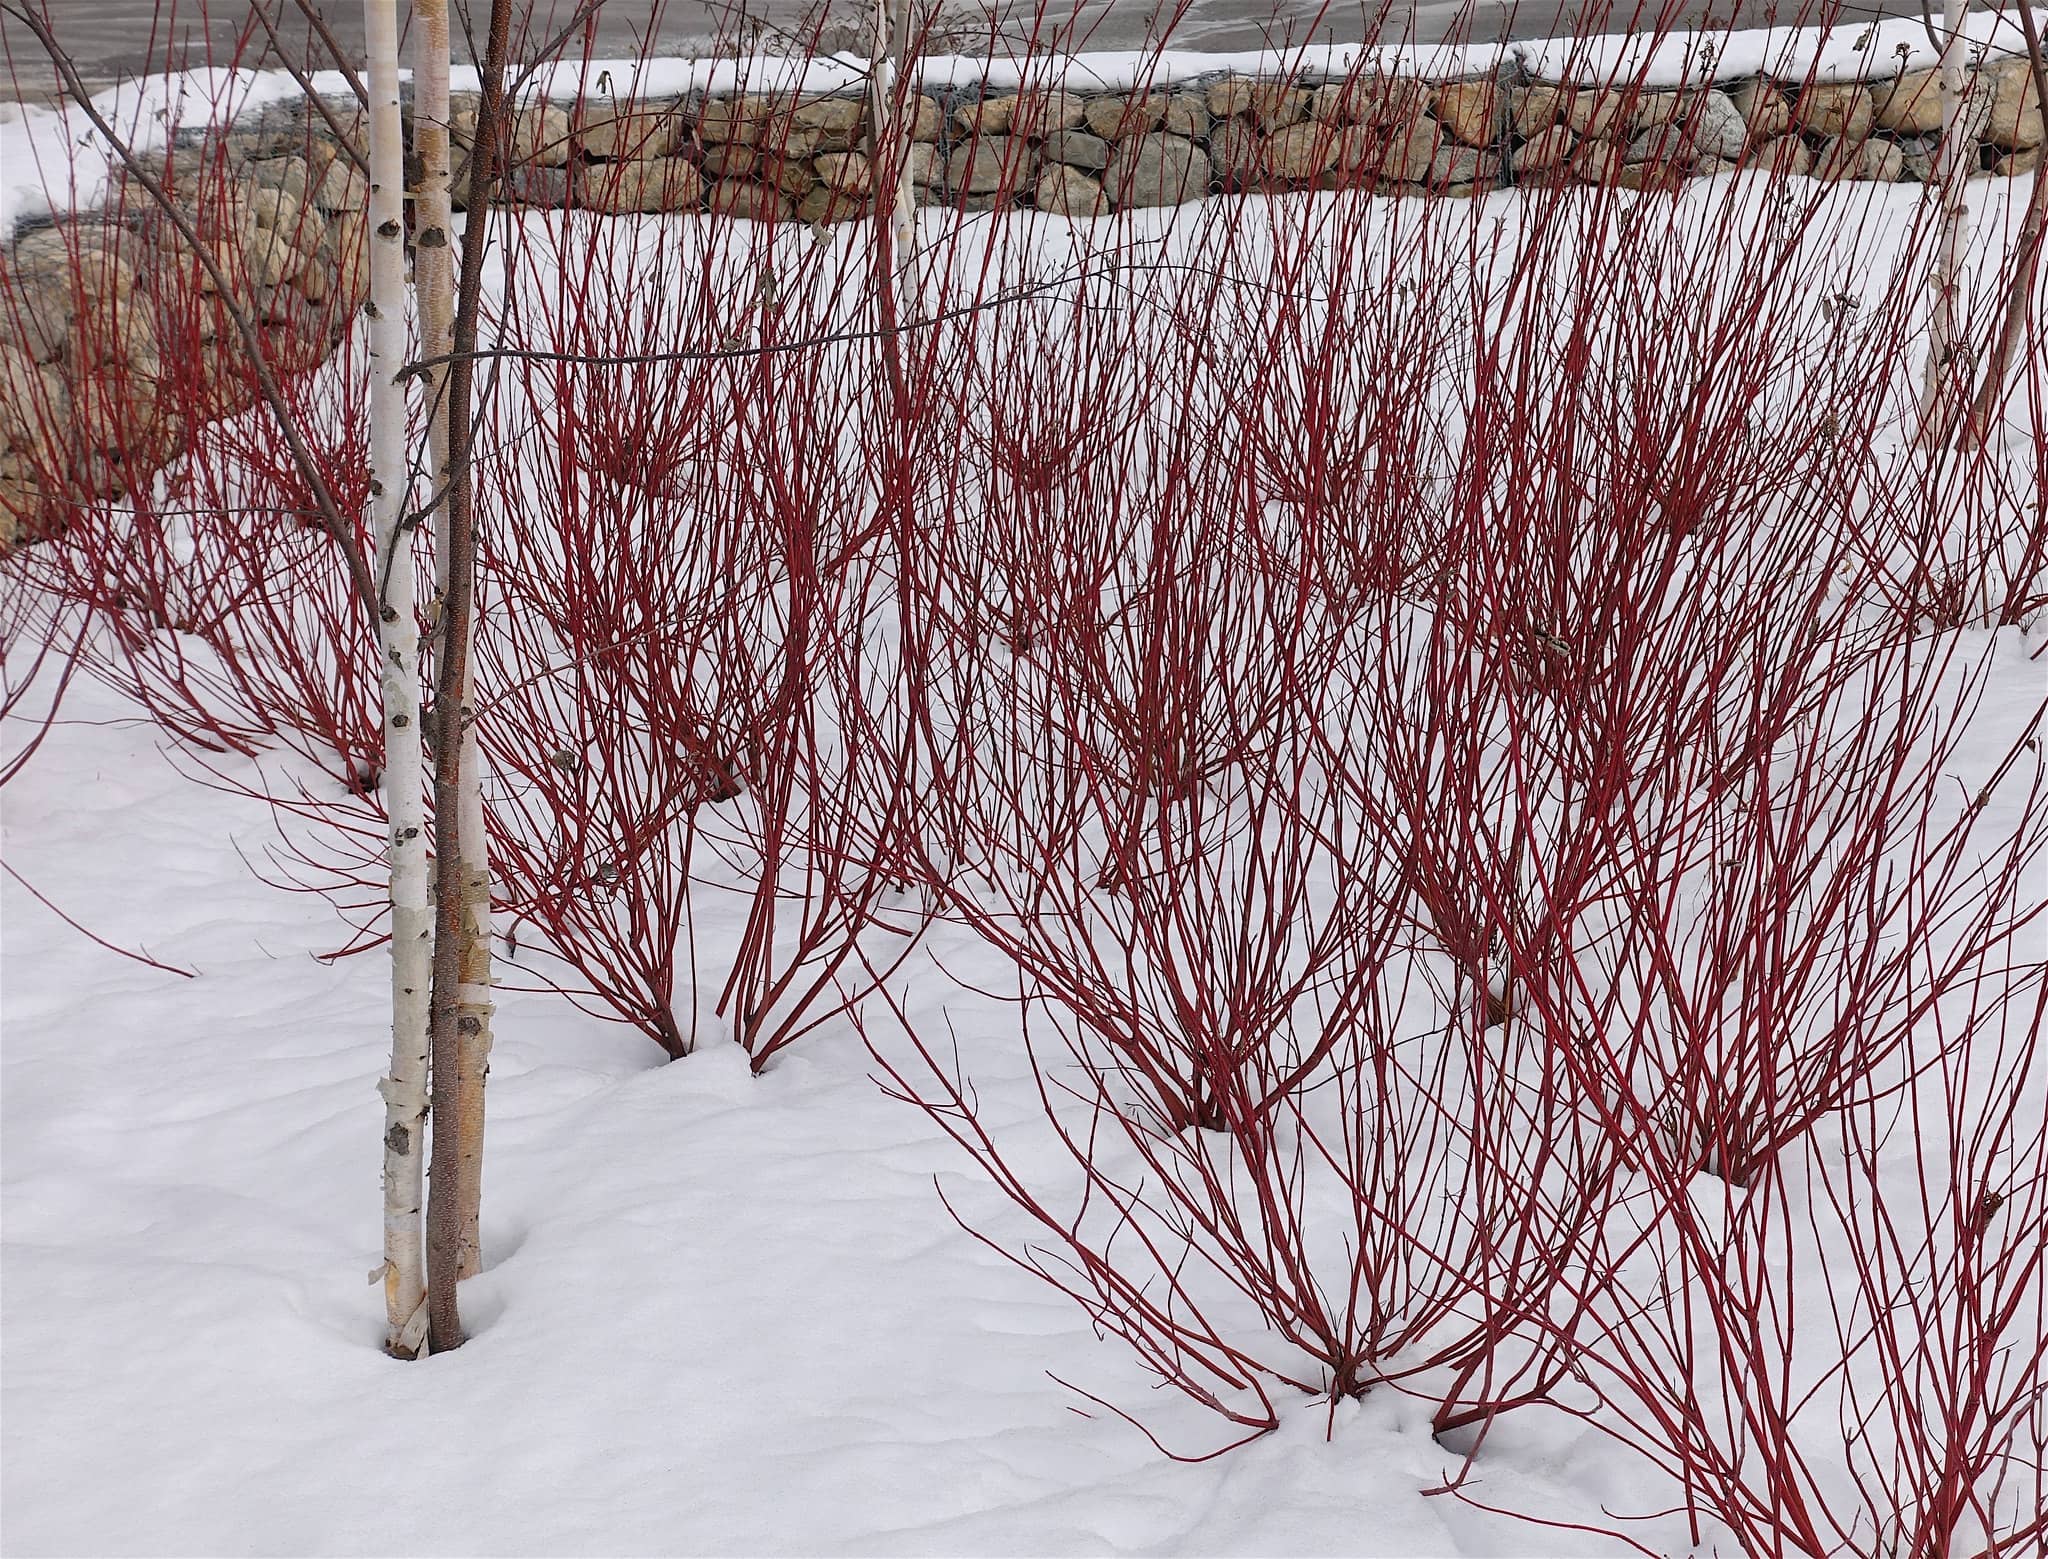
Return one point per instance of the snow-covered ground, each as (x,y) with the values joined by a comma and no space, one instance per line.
(723,1314)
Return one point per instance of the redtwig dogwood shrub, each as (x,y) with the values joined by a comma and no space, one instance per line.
(1574,875)
(1447,713)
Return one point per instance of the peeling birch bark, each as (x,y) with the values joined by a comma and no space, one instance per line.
(895,208)
(405,1087)
(1953,165)
(2021,304)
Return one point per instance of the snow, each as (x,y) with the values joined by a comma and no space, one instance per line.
(1858,50)
(55,160)
(722,1314)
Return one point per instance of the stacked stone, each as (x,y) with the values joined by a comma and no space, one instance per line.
(782,159)
(777,160)
(765,158)
(1656,140)
(2002,112)
(107,319)
(1077,156)
(1370,132)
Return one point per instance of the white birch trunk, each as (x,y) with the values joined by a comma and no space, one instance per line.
(433,261)
(891,42)
(405,1089)
(1957,158)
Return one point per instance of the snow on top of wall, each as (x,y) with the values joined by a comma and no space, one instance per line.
(1848,51)
(54,159)
(1862,50)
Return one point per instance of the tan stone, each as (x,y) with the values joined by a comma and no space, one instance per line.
(17,503)
(835,123)
(1186,114)
(1843,157)
(929,120)
(1033,113)
(793,175)
(1406,154)
(34,405)
(226,387)
(1231,96)
(1077,149)
(1653,110)
(322,154)
(2013,164)
(1459,167)
(1545,150)
(287,173)
(848,172)
(1273,105)
(1376,100)
(35,312)
(1910,104)
(2015,107)
(341,187)
(1532,110)
(1048,112)
(645,184)
(345,245)
(784,138)
(279,210)
(1884,162)
(1277,105)
(1237,155)
(1715,127)
(1834,110)
(745,199)
(1651,177)
(1117,117)
(1595,114)
(730,160)
(1783,156)
(1068,192)
(1301,151)
(94,261)
(995,162)
(271,257)
(1156,170)
(316,281)
(735,120)
(990,116)
(634,133)
(1470,110)
(824,205)
(1597,162)
(540,133)
(1764,109)
(1472,191)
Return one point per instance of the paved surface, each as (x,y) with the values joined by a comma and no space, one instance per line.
(113,38)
